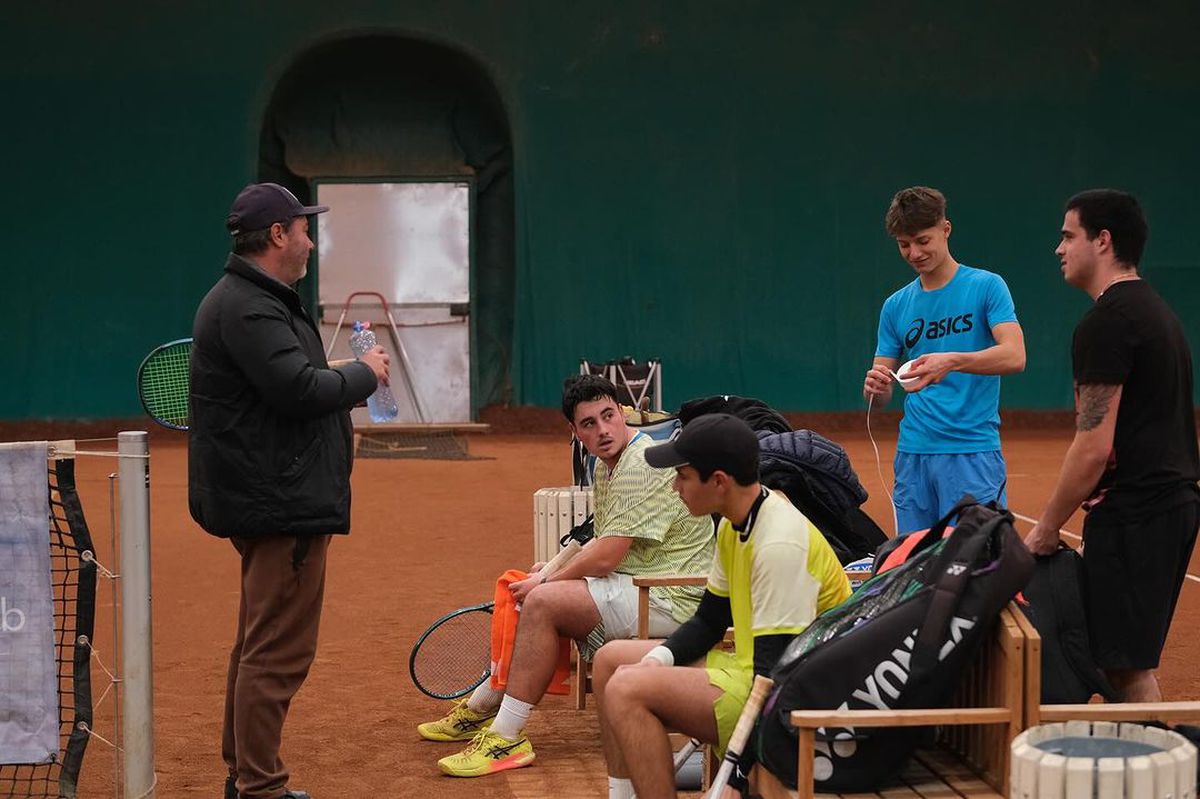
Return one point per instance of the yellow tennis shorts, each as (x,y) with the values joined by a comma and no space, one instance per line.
(734,681)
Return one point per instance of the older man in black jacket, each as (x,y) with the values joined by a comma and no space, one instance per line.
(269,456)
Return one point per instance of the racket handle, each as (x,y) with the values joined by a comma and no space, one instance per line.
(741,733)
(558,561)
(684,753)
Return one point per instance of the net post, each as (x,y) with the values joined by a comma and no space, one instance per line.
(137,696)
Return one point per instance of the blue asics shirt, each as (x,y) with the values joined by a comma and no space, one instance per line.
(961,414)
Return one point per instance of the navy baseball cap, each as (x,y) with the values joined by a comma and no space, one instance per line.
(260,205)
(714,441)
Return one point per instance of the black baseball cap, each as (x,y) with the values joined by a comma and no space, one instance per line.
(260,205)
(711,442)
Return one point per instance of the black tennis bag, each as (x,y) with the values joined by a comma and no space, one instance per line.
(1054,603)
(901,641)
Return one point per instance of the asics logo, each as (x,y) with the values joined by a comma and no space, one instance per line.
(468,724)
(501,751)
(937,328)
(914,333)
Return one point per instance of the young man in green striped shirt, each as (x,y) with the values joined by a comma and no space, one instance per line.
(642,527)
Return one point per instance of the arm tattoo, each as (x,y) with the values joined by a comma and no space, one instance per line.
(1092,406)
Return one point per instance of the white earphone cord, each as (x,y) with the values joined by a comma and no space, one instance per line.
(879,467)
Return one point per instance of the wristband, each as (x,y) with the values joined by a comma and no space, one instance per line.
(662,655)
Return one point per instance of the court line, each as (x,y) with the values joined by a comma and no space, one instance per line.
(1066,532)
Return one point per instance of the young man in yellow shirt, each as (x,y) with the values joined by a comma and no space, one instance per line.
(772,575)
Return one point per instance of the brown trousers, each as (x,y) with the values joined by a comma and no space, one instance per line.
(282,590)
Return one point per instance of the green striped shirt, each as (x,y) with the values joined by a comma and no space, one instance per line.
(637,501)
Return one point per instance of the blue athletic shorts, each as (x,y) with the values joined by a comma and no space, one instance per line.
(927,486)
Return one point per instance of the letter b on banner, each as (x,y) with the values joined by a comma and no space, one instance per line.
(12,620)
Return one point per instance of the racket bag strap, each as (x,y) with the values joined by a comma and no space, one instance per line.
(953,570)
(944,522)
(925,540)
(583,532)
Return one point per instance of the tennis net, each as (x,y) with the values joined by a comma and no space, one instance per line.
(74,588)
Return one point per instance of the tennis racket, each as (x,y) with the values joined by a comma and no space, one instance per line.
(163,382)
(454,656)
(685,752)
(741,734)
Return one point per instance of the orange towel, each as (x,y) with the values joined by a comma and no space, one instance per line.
(504,635)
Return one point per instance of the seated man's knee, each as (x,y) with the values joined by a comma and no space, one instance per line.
(617,691)
(625,689)
(541,605)
(535,602)
(612,655)
(553,598)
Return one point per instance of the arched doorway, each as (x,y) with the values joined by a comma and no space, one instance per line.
(379,107)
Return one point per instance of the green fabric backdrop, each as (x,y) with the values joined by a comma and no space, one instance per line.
(703,183)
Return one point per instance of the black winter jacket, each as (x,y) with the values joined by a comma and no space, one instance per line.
(269,445)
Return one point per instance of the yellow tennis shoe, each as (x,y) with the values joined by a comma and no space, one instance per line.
(487,754)
(460,724)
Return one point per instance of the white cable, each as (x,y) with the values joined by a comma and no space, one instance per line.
(879,468)
(63,453)
(83,725)
(88,555)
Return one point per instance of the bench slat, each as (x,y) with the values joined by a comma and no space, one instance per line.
(812,719)
(671,579)
(926,783)
(1131,711)
(956,774)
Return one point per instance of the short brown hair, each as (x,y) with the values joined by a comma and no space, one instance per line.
(585,388)
(913,209)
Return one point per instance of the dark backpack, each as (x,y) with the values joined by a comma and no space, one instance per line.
(758,415)
(1054,603)
(900,641)
(815,474)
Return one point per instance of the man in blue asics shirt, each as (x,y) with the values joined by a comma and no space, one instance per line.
(957,323)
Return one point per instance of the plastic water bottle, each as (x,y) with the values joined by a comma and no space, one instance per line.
(381,406)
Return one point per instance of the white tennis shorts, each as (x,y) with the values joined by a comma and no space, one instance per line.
(616,598)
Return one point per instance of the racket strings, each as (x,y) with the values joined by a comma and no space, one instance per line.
(454,656)
(164,384)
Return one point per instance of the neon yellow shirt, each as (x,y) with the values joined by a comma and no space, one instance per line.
(779,574)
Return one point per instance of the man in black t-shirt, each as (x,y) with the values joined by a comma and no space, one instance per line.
(1133,463)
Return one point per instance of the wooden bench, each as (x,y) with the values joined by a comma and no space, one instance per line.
(971,758)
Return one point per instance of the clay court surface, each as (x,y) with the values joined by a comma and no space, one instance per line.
(428,536)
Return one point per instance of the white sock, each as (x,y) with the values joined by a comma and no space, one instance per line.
(620,788)
(511,719)
(485,699)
